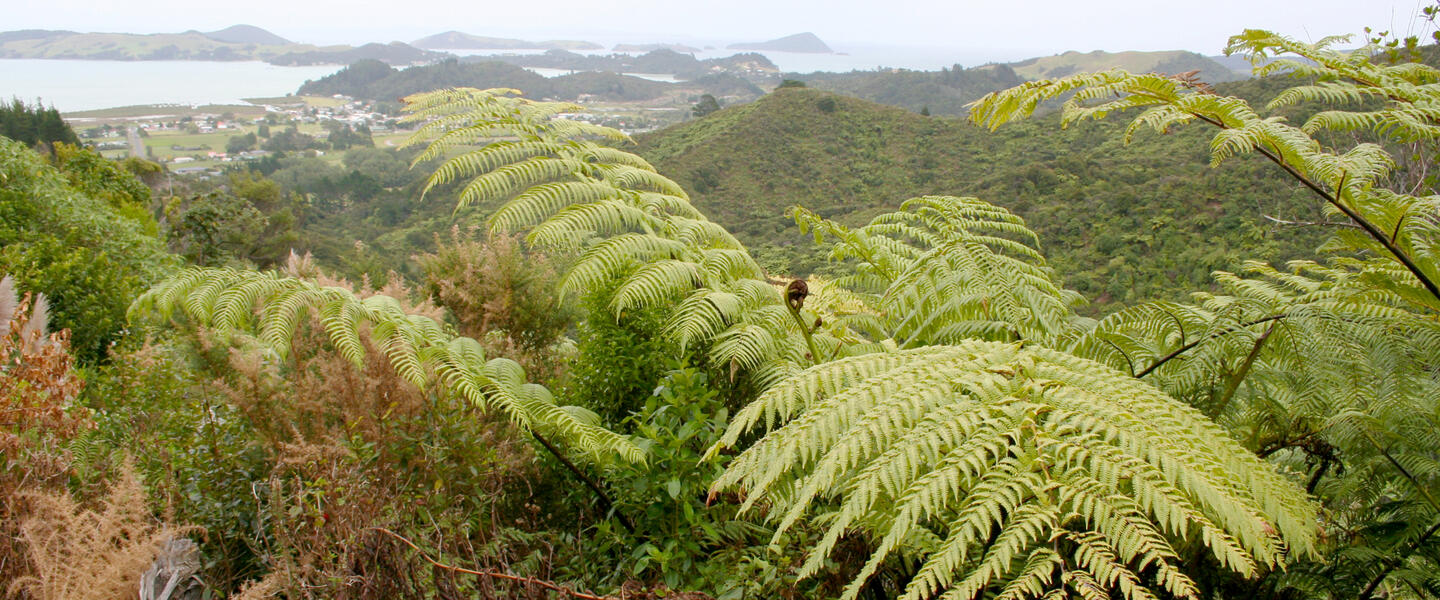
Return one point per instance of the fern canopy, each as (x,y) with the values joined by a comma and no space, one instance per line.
(1324,367)
(1006,466)
(1013,469)
(564,187)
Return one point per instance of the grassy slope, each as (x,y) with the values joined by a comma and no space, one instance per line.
(125,46)
(1120,224)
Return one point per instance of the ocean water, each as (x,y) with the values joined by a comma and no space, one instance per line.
(75,85)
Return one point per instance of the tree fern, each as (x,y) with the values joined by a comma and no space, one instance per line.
(1391,225)
(1008,467)
(1013,469)
(1317,368)
(946,269)
(422,350)
(562,186)
(1327,368)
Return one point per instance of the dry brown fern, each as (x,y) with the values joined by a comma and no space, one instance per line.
(78,553)
(38,386)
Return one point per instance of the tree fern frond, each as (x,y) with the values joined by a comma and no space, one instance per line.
(831,426)
(420,349)
(1346,181)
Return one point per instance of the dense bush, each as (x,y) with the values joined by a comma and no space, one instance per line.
(82,235)
(494,286)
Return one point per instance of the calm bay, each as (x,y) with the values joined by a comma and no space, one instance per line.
(77,85)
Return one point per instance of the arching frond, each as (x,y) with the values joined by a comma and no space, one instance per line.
(945,269)
(1011,454)
(420,349)
(1347,181)
(566,189)
(1328,369)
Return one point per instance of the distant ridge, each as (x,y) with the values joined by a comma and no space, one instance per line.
(1242,65)
(246,34)
(800,42)
(1169,62)
(394,53)
(459,40)
(33,34)
(681,48)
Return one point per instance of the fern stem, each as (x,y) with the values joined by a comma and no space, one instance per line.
(605,501)
(1334,200)
(1234,383)
(1319,473)
(1190,346)
(1403,471)
(1393,562)
(805,331)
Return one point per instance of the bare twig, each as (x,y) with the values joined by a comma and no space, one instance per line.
(1189,346)
(554,587)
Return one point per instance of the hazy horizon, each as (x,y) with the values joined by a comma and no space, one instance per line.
(1044,28)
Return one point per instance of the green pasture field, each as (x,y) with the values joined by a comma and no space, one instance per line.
(167,112)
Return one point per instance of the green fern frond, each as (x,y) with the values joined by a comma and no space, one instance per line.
(1349,182)
(420,349)
(945,269)
(1002,449)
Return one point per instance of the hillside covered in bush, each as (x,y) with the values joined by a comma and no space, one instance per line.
(1122,223)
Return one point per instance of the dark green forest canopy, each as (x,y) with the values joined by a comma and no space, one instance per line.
(34,124)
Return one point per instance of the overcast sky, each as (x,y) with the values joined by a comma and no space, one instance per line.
(1006,26)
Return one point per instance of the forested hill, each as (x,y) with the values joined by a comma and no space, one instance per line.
(1120,224)
(375,80)
(943,92)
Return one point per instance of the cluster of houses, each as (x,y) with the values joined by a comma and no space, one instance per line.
(351,112)
(630,124)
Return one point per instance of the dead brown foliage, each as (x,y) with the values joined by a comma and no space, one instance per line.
(38,387)
(78,553)
(501,295)
(359,448)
